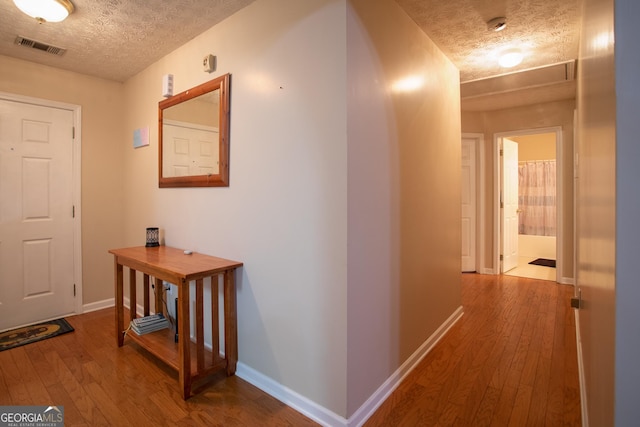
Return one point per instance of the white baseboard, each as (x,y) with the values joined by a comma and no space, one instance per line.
(98,305)
(384,391)
(312,410)
(308,408)
(583,386)
(325,417)
(567,280)
(487,271)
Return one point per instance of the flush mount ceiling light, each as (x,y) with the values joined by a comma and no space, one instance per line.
(510,58)
(46,10)
(497,24)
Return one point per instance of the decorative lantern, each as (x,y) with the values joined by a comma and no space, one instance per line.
(153,237)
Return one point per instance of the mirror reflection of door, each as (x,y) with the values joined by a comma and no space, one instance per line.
(190,137)
(189,149)
(196,151)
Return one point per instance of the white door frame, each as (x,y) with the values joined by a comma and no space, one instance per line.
(480,198)
(497,138)
(76,177)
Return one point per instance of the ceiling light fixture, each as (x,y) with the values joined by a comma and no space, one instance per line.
(497,24)
(510,58)
(46,10)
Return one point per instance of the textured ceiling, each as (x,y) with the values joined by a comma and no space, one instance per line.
(115,39)
(546,31)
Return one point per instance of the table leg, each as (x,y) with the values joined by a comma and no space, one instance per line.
(133,304)
(230,322)
(215,318)
(184,339)
(145,289)
(119,303)
(200,324)
(159,296)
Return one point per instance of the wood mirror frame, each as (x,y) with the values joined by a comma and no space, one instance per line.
(221,178)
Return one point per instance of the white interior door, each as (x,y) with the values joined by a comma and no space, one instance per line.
(468,192)
(509,204)
(36,213)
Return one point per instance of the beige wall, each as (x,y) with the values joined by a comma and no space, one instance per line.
(195,111)
(596,222)
(536,147)
(102,135)
(403,193)
(284,213)
(314,314)
(524,118)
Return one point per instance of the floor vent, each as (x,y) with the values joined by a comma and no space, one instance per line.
(23,41)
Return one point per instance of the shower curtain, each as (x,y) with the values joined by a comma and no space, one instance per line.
(537,197)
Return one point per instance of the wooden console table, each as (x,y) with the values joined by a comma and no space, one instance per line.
(172,265)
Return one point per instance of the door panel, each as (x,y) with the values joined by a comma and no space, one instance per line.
(510,204)
(36,213)
(468,192)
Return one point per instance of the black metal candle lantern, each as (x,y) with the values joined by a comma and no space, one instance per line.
(153,237)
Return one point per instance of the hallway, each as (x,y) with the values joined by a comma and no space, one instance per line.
(511,360)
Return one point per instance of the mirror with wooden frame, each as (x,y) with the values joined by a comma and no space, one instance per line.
(193,136)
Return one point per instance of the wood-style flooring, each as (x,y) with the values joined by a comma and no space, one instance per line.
(510,361)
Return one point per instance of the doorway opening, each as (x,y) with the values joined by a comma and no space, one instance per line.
(528,204)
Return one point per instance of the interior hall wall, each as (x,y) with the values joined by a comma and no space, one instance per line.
(284,214)
(608,238)
(596,208)
(102,103)
(559,113)
(403,193)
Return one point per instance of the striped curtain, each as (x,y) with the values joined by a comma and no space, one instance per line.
(537,197)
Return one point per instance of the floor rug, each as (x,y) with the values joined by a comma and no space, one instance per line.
(28,334)
(544,262)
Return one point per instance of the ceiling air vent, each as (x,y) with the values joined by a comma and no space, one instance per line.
(22,41)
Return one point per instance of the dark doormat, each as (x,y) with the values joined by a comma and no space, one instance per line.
(28,334)
(544,262)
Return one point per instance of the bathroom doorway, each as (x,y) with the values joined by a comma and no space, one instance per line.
(534,250)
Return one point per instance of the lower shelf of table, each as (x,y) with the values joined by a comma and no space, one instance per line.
(163,346)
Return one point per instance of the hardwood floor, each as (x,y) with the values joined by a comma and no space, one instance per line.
(100,384)
(510,361)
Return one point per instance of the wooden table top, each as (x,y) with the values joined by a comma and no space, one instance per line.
(174,261)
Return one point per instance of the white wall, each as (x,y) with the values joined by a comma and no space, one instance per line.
(404,193)
(284,213)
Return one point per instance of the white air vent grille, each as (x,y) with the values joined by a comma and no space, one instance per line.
(23,41)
